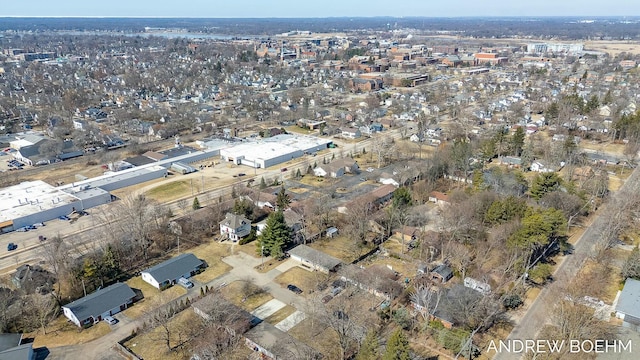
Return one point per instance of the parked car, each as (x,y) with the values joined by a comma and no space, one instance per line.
(283,169)
(242,174)
(186,283)
(326,299)
(294,288)
(11,246)
(22,229)
(64,217)
(335,291)
(110,320)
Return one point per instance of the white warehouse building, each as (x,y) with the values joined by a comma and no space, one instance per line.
(33,202)
(274,150)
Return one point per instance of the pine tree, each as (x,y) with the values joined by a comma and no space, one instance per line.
(369,347)
(517,141)
(263,184)
(196,204)
(298,174)
(275,235)
(283,200)
(397,347)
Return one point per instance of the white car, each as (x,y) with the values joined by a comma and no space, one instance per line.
(110,320)
(185,283)
(370,169)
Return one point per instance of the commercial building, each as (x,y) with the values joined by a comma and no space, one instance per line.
(33,202)
(274,150)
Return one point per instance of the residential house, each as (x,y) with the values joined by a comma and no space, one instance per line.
(13,348)
(383,194)
(314,259)
(628,307)
(510,161)
(351,133)
(442,305)
(274,344)
(439,198)
(541,167)
(379,280)
(104,302)
(235,227)
(386,179)
(337,168)
(168,272)
(417,137)
(441,273)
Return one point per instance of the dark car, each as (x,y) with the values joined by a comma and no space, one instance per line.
(11,246)
(242,174)
(283,169)
(294,288)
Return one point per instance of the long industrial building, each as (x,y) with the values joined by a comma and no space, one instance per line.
(33,202)
(273,150)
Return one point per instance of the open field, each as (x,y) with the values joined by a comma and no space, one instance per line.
(151,294)
(312,180)
(236,293)
(609,147)
(169,191)
(62,332)
(304,279)
(613,47)
(404,268)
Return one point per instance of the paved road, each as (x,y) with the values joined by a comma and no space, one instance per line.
(243,269)
(537,314)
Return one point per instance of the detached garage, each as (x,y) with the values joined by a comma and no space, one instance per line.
(314,259)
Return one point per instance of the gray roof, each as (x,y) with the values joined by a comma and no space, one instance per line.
(174,267)
(20,352)
(234,221)
(315,257)
(629,301)
(9,340)
(279,343)
(101,301)
(444,271)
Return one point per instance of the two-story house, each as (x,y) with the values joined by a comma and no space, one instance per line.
(235,227)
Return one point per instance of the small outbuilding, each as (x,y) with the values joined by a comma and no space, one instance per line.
(314,259)
(628,308)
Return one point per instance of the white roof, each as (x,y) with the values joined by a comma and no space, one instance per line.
(30,197)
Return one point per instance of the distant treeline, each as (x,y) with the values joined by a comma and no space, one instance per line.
(565,28)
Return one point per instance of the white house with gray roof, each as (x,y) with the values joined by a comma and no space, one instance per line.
(628,308)
(314,259)
(168,272)
(94,307)
(235,227)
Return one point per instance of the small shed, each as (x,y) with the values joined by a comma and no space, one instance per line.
(332,232)
(441,273)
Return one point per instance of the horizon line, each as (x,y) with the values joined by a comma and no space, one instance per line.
(309,17)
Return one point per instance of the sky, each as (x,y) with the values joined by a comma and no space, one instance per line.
(318,8)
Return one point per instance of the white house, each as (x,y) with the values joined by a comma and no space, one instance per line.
(235,227)
(540,167)
(351,133)
(94,307)
(168,272)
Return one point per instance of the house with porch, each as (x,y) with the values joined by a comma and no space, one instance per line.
(235,227)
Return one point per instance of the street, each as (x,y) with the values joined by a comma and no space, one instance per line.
(537,314)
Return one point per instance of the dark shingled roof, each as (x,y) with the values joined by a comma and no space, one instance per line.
(101,301)
(174,267)
(315,257)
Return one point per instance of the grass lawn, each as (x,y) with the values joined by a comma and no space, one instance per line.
(280,315)
(304,279)
(234,293)
(61,332)
(249,249)
(169,191)
(405,268)
(316,181)
(211,253)
(606,282)
(150,345)
(317,336)
(150,295)
(340,247)
(604,146)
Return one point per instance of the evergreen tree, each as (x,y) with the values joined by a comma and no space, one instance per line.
(263,184)
(298,174)
(369,347)
(283,200)
(553,111)
(517,141)
(397,347)
(275,235)
(196,204)
(544,183)
(309,170)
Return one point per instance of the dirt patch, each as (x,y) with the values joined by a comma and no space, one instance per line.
(269,264)
(298,190)
(151,296)
(613,47)
(61,332)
